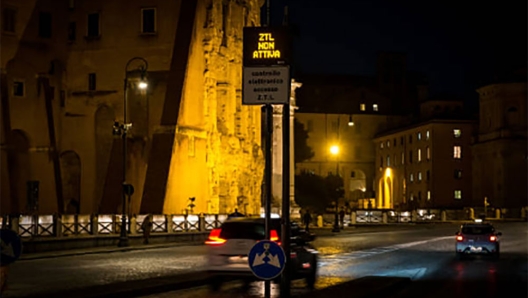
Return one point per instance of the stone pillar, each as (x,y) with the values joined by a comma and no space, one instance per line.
(57,221)
(14,223)
(95,224)
(201,222)
(170,224)
(133,225)
(353,217)
(443,215)
(384,217)
(497,213)
(319,221)
(471,213)
(414,216)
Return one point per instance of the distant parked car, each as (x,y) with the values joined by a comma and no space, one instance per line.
(477,238)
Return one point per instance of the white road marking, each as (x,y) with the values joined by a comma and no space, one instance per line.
(337,258)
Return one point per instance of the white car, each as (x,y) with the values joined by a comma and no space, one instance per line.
(477,238)
(229,245)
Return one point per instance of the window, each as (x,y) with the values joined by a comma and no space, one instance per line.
(394,142)
(419,136)
(458,194)
(428,195)
(93,25)
(410,139)
(401,141)
(410,156)
(419,176)
(428,175)
(92,81)
(427,153)
(72,31)
(388,144)
(362,107)
(457,133)
(419,154)
(18,89)
(375,107)
(427,135)
(9,20)
(458,174)
(388,161)
(411,177)
(44,29)
(381,145)
(353,174)
(381,162)
(148,20)
(457,152)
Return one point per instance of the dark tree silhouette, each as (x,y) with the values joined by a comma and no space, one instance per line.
(302,150)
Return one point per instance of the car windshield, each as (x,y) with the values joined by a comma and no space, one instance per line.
(477,230)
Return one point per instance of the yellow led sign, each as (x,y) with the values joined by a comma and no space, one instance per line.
(266,47)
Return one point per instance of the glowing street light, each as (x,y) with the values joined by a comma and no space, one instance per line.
(334,150)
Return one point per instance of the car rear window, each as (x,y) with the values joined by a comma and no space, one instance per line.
(477,230)
(244,230)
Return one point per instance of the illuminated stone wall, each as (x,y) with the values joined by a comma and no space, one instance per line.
(216,155)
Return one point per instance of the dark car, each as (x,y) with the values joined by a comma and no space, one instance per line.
(477,238)
(229,245)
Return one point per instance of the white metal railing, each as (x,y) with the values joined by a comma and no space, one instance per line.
(49,226)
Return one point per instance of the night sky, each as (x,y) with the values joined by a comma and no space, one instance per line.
(459,45)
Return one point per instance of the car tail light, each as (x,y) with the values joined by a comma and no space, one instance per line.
(493,238)
(459,238)
(274,236)
(214,238)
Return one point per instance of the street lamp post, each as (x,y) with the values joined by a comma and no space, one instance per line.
(122,130)
(335,151)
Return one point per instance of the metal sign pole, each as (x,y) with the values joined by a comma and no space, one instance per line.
(285,286)
(268,111)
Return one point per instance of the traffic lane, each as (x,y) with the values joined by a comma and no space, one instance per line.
(387,260)
(425,261)
(30,277)
(480,276)
(343,243)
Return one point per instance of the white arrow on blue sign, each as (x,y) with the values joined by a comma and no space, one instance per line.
(266,259)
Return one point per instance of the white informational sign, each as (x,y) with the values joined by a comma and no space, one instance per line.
(266,85)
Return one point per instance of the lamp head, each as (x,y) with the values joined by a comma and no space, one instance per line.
(143,84)
(334,150)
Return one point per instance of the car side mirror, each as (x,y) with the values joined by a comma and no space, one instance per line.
(499,234)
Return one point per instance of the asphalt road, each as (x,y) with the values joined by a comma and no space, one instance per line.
(424,253)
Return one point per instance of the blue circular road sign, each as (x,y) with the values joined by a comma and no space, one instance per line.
(10,246)
(266,259)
